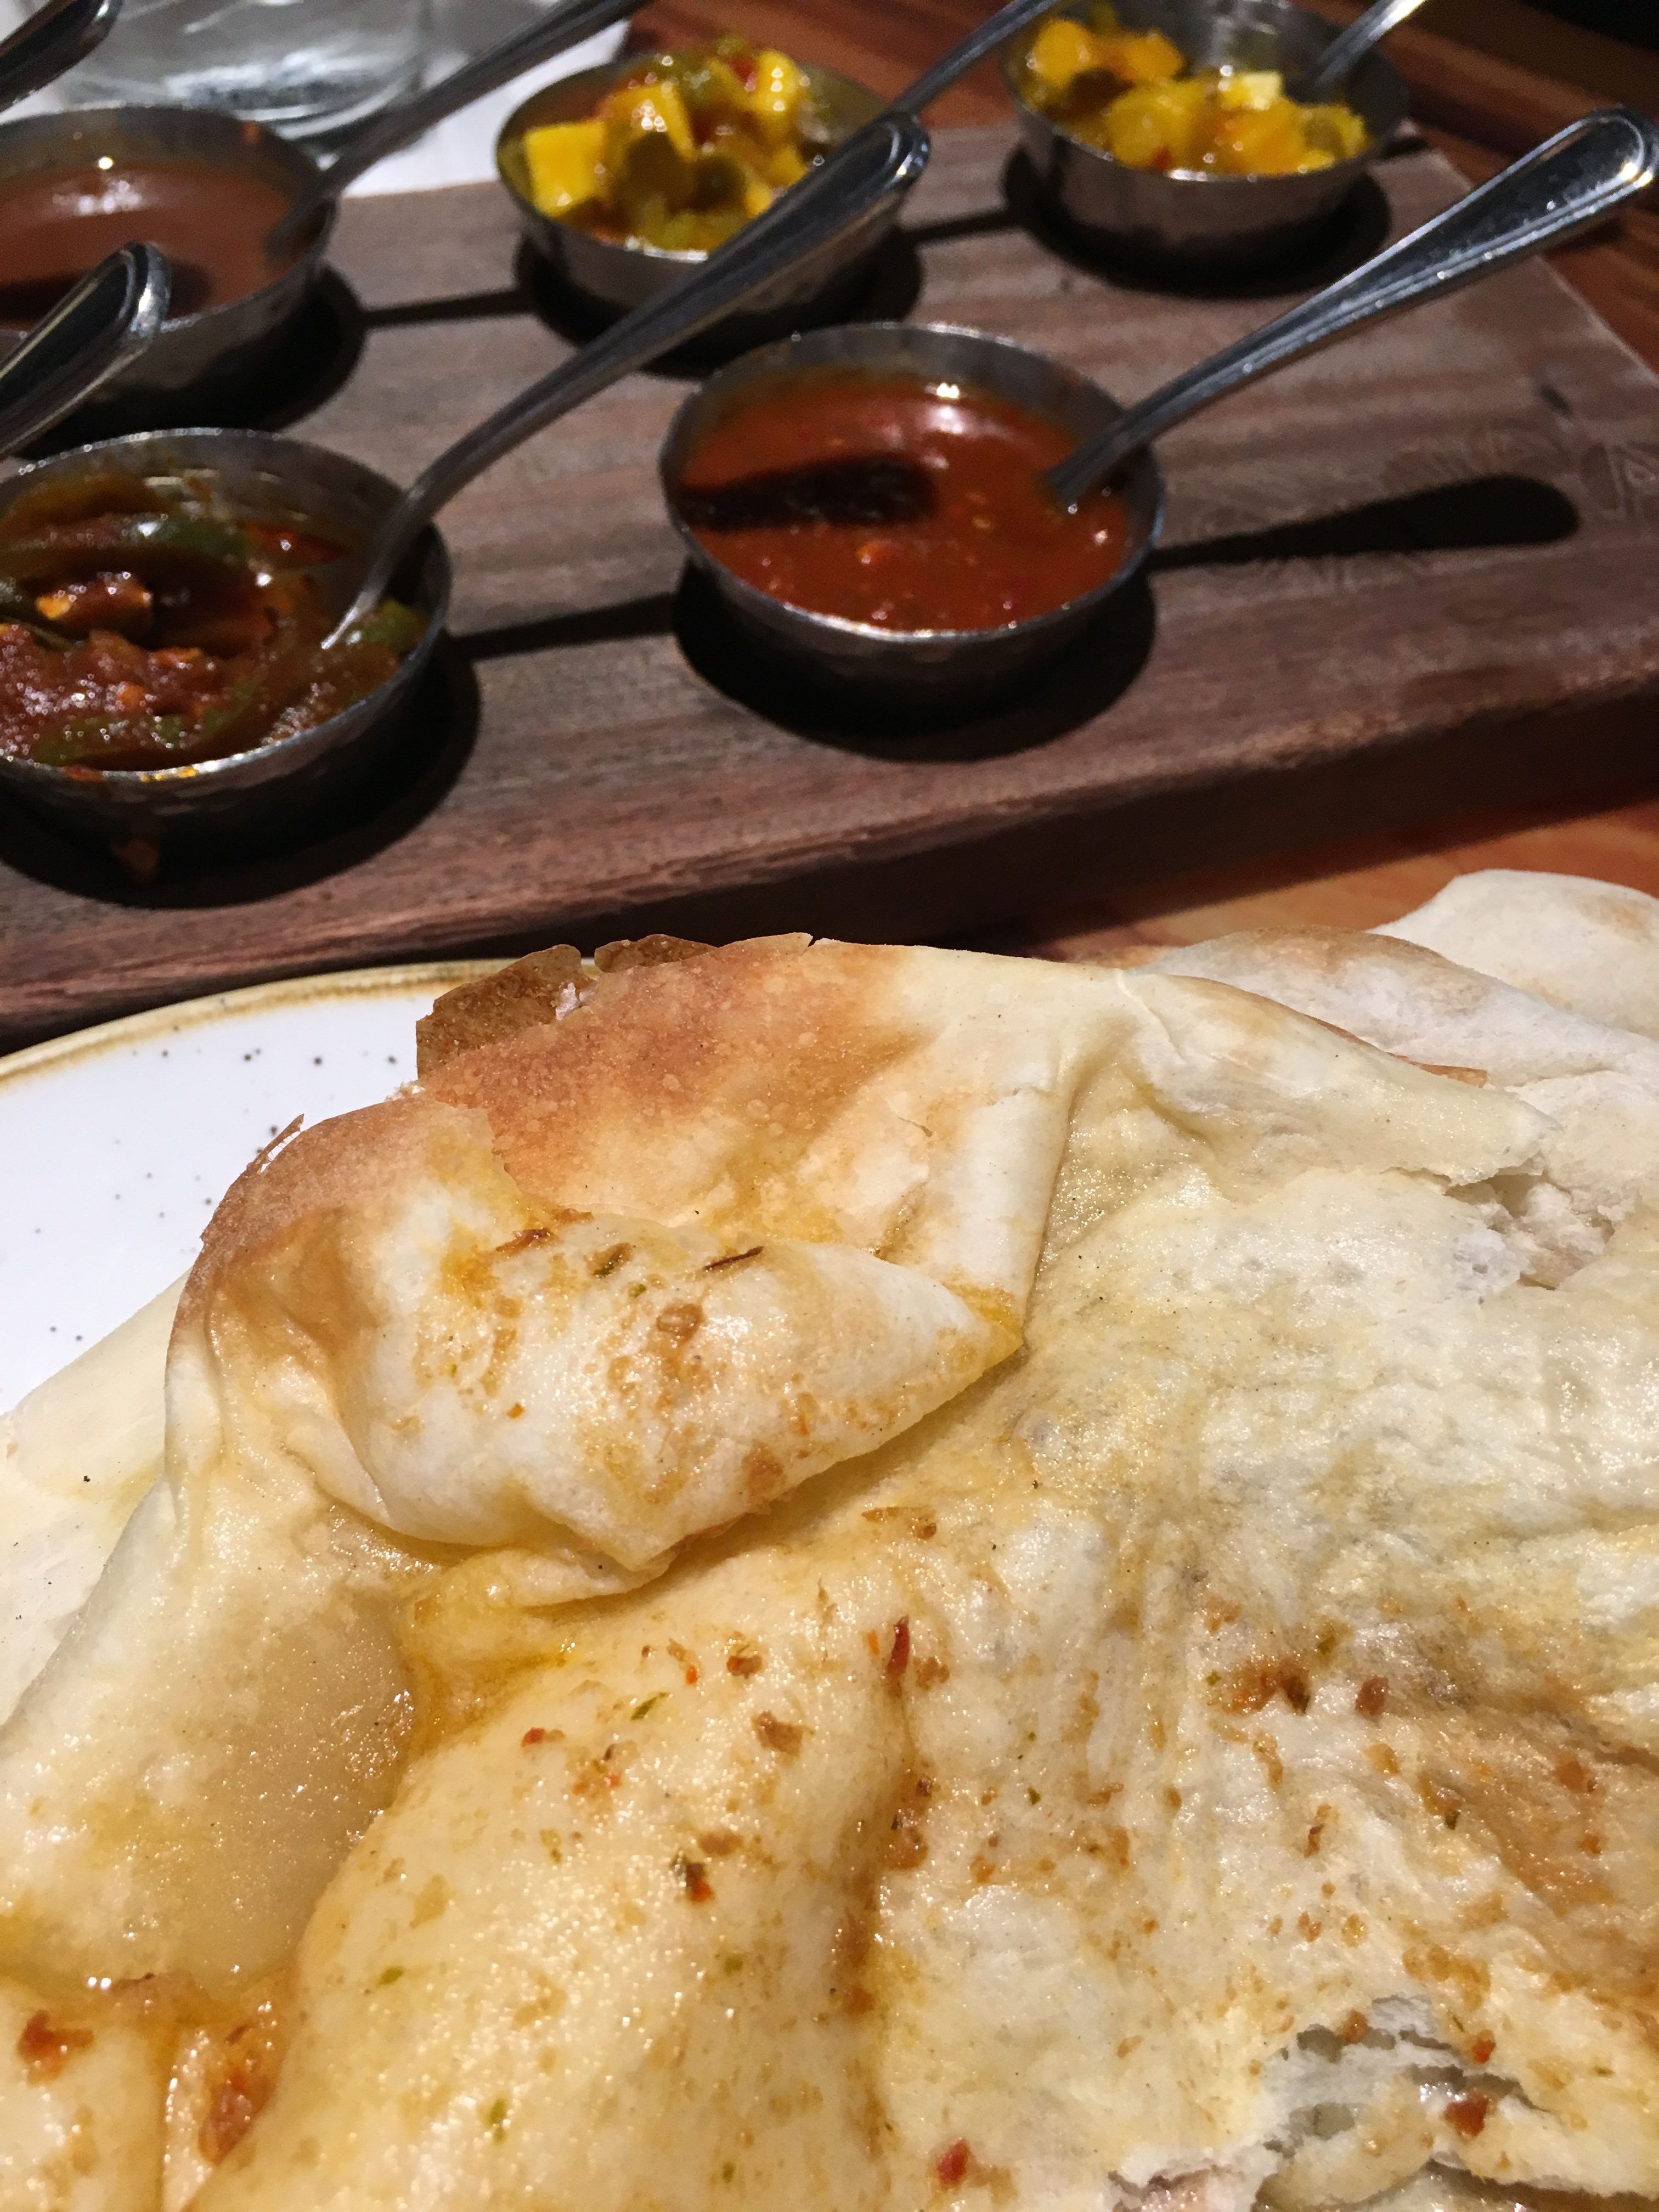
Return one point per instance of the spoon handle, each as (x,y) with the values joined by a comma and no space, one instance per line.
(1344,53)
(53,38)
(1573,179)
(968,53)
(111,315)
(886,156)
(554,33)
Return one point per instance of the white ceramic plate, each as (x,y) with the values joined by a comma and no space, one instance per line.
(116,1144)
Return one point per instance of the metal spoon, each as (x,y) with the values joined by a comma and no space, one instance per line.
(284,779)
(108,319)
(1573,181)
(1349,48)
(885,157)
(969,52)
(50,40)
(554,33)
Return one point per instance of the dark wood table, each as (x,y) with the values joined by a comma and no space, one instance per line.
(1346,855)
(1331,772)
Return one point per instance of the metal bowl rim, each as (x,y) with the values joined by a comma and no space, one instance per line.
(194,772)
(311,254)
(676,258)
(844,625)
(1351,164)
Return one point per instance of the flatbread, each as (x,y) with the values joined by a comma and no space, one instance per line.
(1124,1671)
(76,1458)
(1590,947)
(1597,1085)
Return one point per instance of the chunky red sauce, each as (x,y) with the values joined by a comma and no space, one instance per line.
(141,628)
(906,505)
(56,224)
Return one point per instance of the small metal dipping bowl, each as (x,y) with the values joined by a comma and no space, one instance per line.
(272,785)
(218,341)
(615,277)
(919,668)
(1192,219)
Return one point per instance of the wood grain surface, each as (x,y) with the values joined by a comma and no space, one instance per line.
(1322,727)
(1483,109)
(1480,107)
(1394,578)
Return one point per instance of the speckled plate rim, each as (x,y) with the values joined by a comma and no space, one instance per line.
(121,1140)
(156,1022)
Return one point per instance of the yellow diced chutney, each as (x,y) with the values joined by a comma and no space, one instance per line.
(1128,92)
(563,163)
(683,149)
(1139,57)
(650,155)
(1336,130)
(786,165)
(1249,88)
(1062,52)
(1258,142)
(635,111)
(1155,126)
(779,91)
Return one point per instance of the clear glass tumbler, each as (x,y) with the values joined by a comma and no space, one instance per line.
(308,67)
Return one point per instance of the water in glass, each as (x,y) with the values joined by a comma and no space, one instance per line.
(308,68)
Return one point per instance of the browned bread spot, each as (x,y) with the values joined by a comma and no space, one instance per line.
(523,995)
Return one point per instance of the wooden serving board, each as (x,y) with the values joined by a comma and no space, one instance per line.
(1395,578)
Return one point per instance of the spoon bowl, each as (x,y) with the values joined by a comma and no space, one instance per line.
(393,546)
(88,339)
(926,668)
(1186,222)
(192,343)
(614,278)
(255,474)
(227,338)
(1572,181)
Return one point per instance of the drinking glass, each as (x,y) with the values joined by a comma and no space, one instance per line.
(308,67)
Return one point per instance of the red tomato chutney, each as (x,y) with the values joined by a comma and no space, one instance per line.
(141,626)
(906,504)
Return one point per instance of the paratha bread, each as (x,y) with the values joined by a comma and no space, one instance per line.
(76,1458)
(1590,947)
(1598,1085)
(855,1577)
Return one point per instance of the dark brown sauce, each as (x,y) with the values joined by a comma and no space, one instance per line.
(211,223)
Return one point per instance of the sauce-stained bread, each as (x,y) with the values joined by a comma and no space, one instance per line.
(850,1577)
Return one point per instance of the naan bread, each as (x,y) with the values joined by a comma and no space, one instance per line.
(1598,1086)
(76,1458)
(1590,947)
(855,1577)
